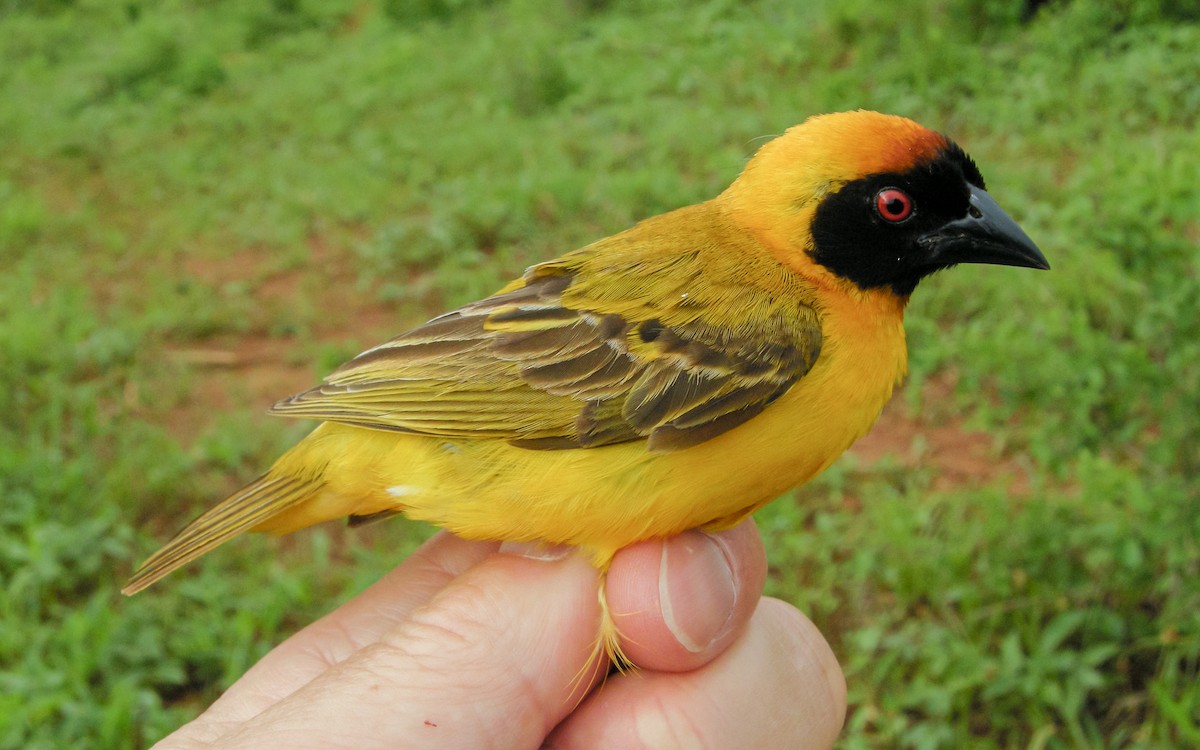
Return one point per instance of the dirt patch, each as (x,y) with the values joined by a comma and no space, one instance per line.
(237,373)
(255,369)
(956,455)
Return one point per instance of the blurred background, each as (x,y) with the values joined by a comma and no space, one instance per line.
(205,207)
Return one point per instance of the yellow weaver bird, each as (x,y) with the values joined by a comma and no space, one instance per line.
(680,374)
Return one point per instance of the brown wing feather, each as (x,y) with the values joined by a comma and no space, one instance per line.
(541,367)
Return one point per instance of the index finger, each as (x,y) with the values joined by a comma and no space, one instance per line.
(350,627)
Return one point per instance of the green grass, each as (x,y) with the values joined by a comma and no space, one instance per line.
(307,178)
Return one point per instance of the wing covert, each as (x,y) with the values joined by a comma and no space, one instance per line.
(539,366)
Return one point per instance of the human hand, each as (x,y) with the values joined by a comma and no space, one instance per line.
(470,644)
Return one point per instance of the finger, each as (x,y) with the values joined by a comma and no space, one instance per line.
(495,659)
(355,624)
(680,602)
(379,608)
(778,686)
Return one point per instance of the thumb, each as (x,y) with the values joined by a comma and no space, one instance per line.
(497,658)
(680,602)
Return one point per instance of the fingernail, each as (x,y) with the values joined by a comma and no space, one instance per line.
(695,578)
(536,551)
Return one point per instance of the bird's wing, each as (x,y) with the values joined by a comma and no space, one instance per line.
(550,363)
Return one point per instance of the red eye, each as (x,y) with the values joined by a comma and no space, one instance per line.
(893,205)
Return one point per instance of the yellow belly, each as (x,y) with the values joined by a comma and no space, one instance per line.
(606,498)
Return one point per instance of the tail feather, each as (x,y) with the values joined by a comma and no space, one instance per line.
(262,499)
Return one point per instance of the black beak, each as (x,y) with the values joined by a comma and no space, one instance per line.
(985,235)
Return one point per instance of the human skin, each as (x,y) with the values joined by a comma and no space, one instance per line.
(482,645)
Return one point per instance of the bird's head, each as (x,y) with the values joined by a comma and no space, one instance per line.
(875,201)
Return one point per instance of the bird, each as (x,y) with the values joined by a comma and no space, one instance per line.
(677,375)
